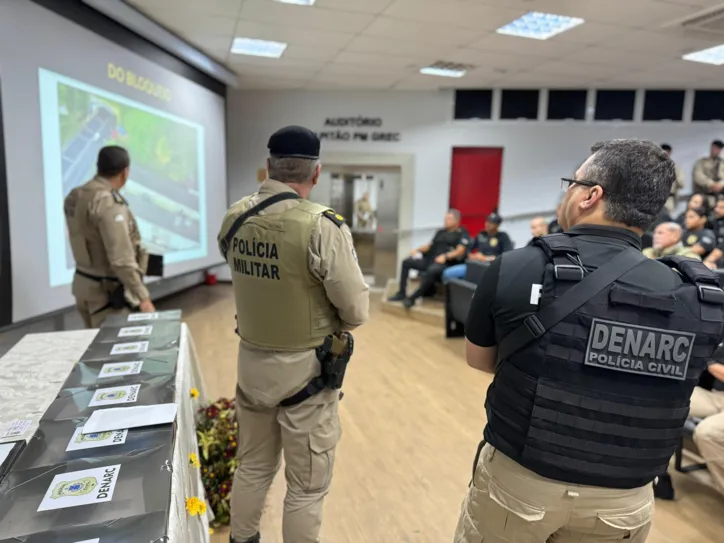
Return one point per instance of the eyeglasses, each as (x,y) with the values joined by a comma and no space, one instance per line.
(568,183)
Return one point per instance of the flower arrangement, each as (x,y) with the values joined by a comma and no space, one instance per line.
(216,429)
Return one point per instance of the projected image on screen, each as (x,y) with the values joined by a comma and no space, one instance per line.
(165,189)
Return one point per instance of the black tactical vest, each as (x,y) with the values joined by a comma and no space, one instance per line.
(594,388)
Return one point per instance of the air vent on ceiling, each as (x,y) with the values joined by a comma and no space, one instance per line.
(710,21)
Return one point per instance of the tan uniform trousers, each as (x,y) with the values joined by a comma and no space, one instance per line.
(91,319)
(307,434)
(709,434)
(509,503)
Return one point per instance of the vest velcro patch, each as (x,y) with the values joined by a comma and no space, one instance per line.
(654,352)
(335,217)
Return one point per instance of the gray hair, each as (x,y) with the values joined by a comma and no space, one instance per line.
(455,213)
(292,169)
(673,227)
(636,177)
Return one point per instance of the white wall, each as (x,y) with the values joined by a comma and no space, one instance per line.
(536,154)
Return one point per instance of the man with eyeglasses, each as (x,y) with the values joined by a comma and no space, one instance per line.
(595,351)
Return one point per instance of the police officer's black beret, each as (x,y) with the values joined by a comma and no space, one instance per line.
(718,143)
(494,218)
(294,142)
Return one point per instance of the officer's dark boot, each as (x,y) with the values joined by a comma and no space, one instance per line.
(397,297)
(255,539)
(663,487)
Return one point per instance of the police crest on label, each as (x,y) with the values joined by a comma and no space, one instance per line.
(654,352)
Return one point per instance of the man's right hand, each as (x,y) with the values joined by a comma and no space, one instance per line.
(717,370)
(414,252)
(146,306)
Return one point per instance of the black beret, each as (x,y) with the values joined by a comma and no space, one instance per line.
(718,143)
(294,142)
(494,218)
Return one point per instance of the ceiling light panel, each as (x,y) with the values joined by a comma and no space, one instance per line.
(539,26)
(442,72)
(258,48)
(713,55)
(297,2)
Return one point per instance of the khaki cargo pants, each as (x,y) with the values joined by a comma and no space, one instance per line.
(709,434)
(509,503)
(307,434)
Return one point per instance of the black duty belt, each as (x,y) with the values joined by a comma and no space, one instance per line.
(96,278)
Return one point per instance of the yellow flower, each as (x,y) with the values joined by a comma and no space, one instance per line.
(195,506)
(194,460)
(211,531)
(194,393)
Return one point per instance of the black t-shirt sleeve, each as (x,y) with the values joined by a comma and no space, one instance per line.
(707,240)
(505,243)
(480,325)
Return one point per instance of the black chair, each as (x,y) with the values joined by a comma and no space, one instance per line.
(688,439)
(459,293)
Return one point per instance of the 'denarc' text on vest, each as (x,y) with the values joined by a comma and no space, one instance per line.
(259,255)
(654,352)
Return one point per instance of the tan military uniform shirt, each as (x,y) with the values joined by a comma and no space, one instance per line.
(707,171)
(105,241)
(675,188)
(363,210)
(674,250)
(268,377)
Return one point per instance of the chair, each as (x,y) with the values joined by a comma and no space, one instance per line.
(459,293)
(688,438)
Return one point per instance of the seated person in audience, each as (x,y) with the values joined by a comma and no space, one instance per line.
(447,247)
(709,433)
(697,201)
(647,239)
(715,259)
(489,243)
(667,242)
(538,229)
(553,226)
(697,235)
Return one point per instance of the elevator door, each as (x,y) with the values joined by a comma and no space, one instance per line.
(368,198)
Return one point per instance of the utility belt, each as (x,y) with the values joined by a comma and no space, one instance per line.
(334,356)
(115,289)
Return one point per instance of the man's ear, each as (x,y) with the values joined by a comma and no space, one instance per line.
(317,172)
(595,194)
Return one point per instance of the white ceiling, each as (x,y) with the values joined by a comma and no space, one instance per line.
(382,44)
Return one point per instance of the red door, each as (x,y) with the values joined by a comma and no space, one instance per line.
(475,184)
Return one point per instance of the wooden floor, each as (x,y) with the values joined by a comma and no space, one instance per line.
(412,416)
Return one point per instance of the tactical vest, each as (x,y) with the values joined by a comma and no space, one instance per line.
(595,391)
(280,305)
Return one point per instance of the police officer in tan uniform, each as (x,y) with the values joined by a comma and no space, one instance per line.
(297,286)
(106,244)
(709,173)
(677,185)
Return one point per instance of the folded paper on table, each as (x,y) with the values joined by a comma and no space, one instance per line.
(122,418)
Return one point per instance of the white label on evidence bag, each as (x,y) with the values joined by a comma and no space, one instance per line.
(133,331)
(83,487)
(15,428)
(114,395)
(130,348)
(120,369)
(81,441)
(136,317)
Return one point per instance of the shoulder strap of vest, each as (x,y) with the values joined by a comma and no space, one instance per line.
(561,251)
(537,324)
(335,217)
(694,271)
(254,210)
